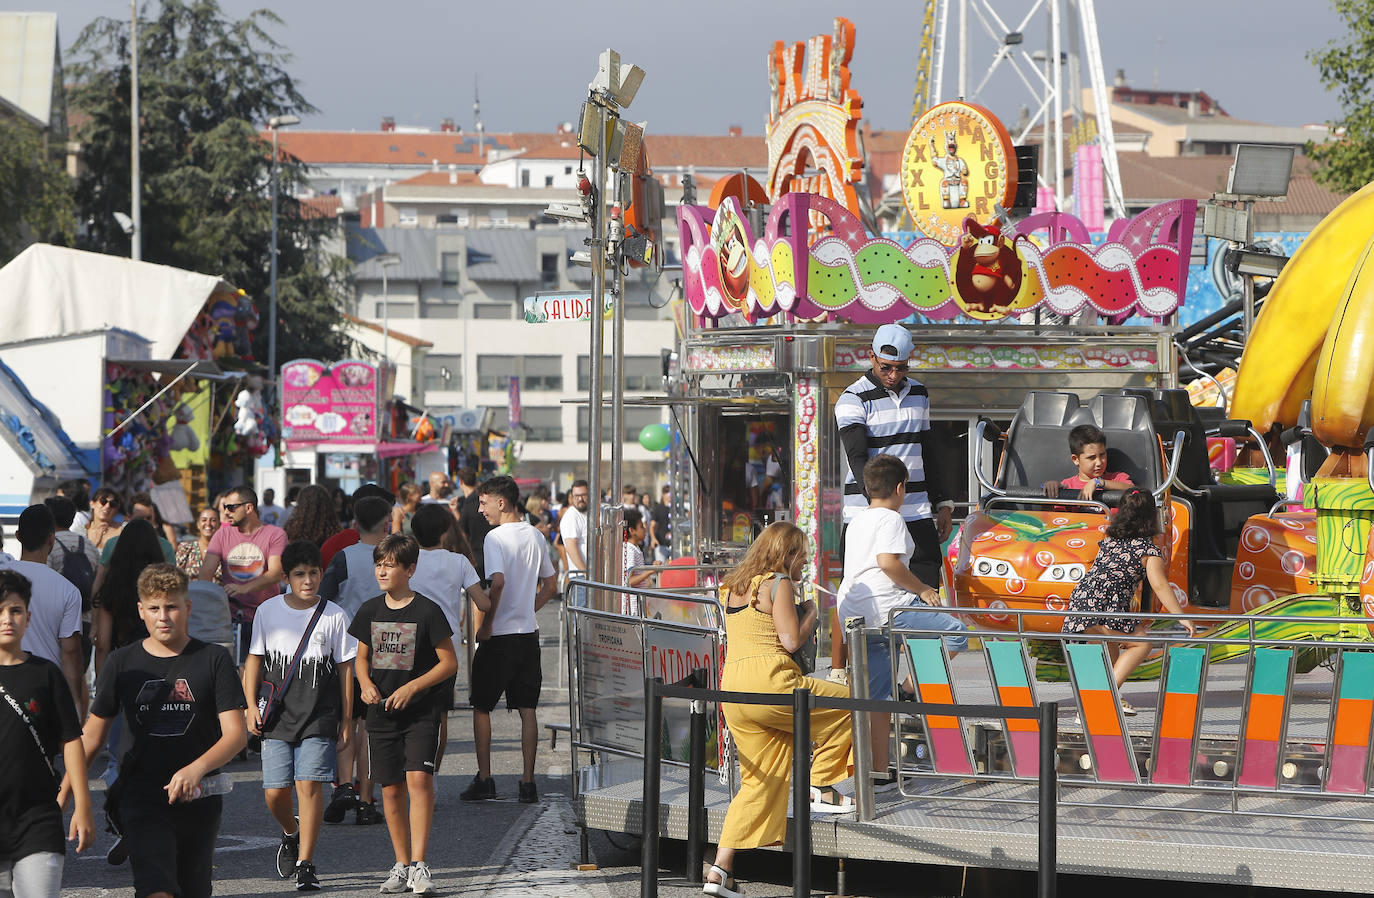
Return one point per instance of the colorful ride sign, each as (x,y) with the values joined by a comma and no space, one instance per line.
(328,403)
(958,162)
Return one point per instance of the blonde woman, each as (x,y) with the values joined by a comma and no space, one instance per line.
(763,626)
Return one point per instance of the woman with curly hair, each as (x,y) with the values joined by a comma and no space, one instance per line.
(314,518)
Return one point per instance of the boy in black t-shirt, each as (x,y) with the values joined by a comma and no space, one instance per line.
(316,706)
(404,654)
(37,720)
(183,704)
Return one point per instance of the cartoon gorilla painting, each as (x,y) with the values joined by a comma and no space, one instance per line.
(987,269)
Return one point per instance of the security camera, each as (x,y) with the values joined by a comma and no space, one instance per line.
(126,224)
(566,211)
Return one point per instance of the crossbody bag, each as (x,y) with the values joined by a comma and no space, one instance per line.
(33,730)
(270,694)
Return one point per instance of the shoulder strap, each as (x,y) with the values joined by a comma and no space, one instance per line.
(300,647)
(28,723)
(169,681)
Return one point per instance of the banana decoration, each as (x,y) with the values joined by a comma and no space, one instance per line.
(1343,393)
(1280,363)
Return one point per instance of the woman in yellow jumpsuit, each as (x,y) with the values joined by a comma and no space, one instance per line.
(763,624)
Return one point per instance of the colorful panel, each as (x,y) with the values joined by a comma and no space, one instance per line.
(1271,674)
(1348,746)
(1100,709)
(1007,666)
(930,669)
(1176,733)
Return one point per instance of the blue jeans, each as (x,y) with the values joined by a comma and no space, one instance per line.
(880,660)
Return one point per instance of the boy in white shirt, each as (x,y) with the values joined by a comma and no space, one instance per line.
(507,657)
(877,579)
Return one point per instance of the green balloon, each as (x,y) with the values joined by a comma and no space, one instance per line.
(655,437)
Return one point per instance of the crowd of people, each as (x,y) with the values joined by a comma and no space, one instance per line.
(323,639)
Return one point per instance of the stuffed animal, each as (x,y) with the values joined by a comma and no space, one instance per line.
(183,436)
(247,423)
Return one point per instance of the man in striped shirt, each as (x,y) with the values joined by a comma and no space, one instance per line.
(885,411)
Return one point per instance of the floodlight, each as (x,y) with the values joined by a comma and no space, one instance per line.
(631,76)
(1225,222)
(1013,38)
(126,224)
(1255,262)
(1260,170)
(283,121)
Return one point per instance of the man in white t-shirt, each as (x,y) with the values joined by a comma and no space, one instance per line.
(507,658)
(572,527)
(54,632)
(271,512)
(877,579)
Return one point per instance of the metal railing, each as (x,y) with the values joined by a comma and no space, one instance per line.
(802,702)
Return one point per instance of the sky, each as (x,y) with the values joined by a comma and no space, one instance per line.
(705,61)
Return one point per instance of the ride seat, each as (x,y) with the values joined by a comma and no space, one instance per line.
(1037,445)
(1132,445)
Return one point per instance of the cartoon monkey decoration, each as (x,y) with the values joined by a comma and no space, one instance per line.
(988,271)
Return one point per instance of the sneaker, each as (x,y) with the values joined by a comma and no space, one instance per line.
(838,675)
(397,881)
(419,879)
(288,852)
(367,814)
(341,802)
(1128,709)
(306,880)
(528,794)
(479,789)
(119,851)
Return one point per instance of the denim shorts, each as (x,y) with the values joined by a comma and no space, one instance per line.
(880,660)
(283,763)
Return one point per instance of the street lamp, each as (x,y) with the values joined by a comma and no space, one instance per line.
(385,261)
(274,124)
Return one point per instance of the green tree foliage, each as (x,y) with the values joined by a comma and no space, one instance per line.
(207,84)
(1346,66)
(35,192)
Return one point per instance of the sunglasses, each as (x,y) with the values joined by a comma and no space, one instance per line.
(889,369)
(230,506)
(108,500)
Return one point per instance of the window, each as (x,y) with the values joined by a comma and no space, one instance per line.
(448,269)
(493,310)
(548,180)
(636,419)
(543,424)
(461,218)
(497,217)
(439,308)
(395,309)
(567,169)
(643,373)
(407,218)
(536,372)
(525,177)
(442,372)
(548,270)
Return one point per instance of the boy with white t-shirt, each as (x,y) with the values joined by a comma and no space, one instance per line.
(507,657)
(877,579)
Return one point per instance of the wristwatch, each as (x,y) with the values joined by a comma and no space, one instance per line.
(1099,483)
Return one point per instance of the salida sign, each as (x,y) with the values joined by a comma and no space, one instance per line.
(543,308)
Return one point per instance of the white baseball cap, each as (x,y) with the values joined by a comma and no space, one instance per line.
(893,343)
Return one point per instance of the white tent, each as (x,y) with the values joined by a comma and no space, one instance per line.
(50,291)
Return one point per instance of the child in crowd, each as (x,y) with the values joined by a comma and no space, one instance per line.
(405,653)
(1126,556)
(632,556)
(507,658)
(350,580)
(316,704)
(37,722)
(1088,452)
(878,579)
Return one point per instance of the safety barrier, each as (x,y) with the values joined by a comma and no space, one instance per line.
(802,701)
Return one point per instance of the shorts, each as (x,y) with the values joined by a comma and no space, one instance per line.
(312,759)
(880,660)
(508,664)
(393,750)
(243,632)
(171,847)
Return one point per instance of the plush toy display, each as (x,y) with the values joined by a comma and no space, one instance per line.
(183,436)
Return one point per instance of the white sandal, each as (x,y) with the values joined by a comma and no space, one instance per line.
(843,805)
(719,889)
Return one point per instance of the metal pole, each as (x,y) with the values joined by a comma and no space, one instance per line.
(135,188)
(574,720)
(963,49)
(1057,71)
(598,254)
(801,793)
(1247,284)
(653,735)
(386,317)
(1047,878)
(696,782)
(272,276)
(863,739)
(618,357)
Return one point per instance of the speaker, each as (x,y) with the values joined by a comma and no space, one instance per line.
(1027,168)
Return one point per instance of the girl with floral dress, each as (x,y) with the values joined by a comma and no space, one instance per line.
(1126,556)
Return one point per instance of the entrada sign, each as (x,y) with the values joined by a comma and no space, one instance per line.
(575,305)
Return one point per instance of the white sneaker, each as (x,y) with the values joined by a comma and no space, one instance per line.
(839,676)
(419,879)
(398,881)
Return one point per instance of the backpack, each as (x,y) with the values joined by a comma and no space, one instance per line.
(76,567)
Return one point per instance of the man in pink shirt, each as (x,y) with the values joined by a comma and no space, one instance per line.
(250,553)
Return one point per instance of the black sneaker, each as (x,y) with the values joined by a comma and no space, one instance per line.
(480,789)
(367,814)
(306,880)
(288,852)
(119,851)
(341,802)
(528,794)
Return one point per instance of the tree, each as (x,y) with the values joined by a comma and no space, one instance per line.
(35,192)
(1346,162)
(206,85)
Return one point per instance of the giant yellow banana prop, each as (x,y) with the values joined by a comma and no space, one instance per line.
(1280,360)
(1343,391)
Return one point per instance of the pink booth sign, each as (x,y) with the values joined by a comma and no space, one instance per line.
(328,403)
